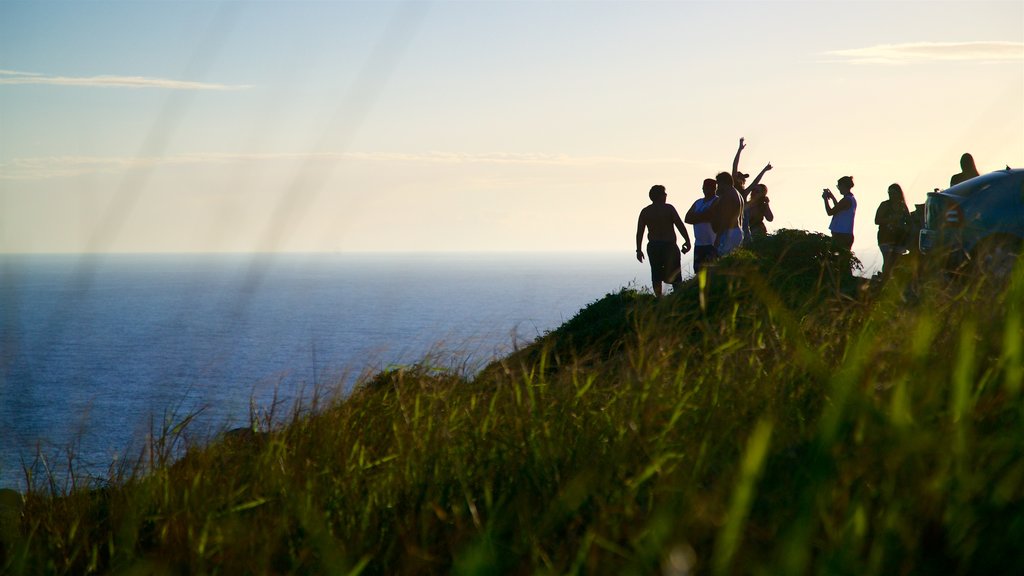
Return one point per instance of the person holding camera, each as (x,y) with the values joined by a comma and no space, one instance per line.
(842,213)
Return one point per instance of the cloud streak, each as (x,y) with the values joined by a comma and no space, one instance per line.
(12,77)
(919,52)
(43,168)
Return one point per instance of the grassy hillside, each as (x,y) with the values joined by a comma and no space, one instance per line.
(784,417)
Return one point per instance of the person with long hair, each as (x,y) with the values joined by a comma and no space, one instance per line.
(759,211)
(740,182)
(893,220)
(967,170)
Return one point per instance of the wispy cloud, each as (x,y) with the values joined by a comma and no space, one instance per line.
(916,52)
(42,168)
(10,77)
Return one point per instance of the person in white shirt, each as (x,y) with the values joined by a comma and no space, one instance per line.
(703,234)
(842,213)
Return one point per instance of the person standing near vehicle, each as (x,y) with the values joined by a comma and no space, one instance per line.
(658,218)
(703,234)
(842,213)
(967,170)
(893,220)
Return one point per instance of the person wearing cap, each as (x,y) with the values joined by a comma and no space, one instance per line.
(842,213)
(703,234)
(740,181)
(658,219)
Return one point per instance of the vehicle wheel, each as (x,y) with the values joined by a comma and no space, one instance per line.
(996,257)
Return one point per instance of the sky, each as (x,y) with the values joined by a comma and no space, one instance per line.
(330,126)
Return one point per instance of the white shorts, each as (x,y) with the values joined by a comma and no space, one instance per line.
(728,241)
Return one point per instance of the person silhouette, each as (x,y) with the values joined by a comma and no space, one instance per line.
(740,182)
(658,218)
(893,220)
(725,216)
(759,211)
(842,213)
(703,234)
(967,170)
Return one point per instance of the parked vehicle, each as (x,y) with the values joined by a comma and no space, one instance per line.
(979,221)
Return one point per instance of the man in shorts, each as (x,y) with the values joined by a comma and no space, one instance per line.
(658,219)
(725,216)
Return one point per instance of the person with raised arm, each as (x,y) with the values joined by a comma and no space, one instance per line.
(740,180)
(759,211)
(658,218)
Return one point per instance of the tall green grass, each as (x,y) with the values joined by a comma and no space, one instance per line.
(784,418)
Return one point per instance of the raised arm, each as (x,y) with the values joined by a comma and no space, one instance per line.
(736,160)
(757,180)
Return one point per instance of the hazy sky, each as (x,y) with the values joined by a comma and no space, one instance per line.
(478,125)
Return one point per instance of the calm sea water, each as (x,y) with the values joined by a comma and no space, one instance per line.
(94,350)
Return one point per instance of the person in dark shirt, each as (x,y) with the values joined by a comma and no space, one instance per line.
(759,211)
(893,220)
(739,180)
(967,170)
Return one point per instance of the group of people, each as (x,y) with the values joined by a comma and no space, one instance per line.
(731,213)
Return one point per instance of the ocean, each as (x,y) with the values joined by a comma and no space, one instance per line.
(97,351)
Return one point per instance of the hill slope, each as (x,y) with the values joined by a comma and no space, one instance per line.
(783,418)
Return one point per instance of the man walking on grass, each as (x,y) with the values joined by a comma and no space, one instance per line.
(658,219)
